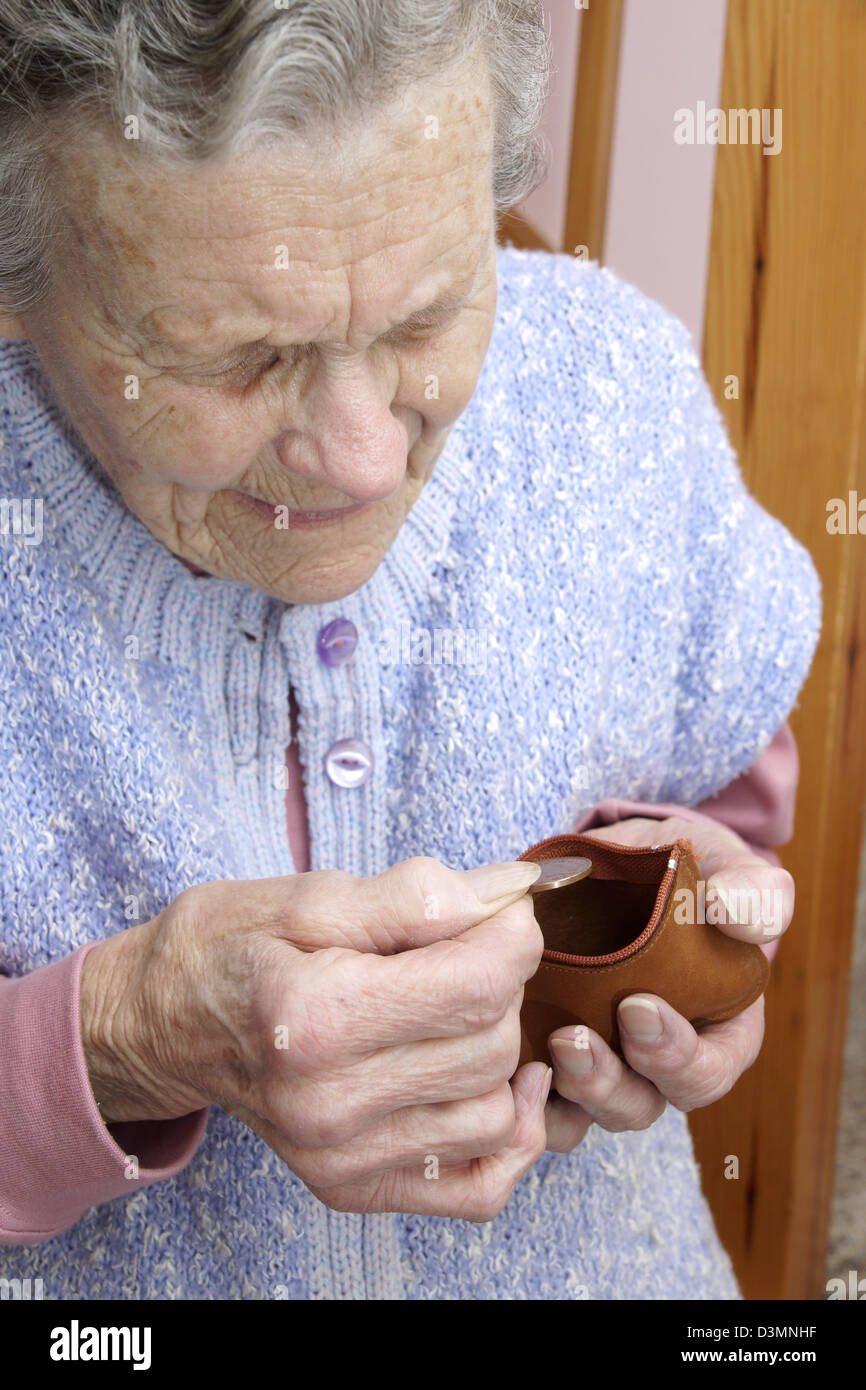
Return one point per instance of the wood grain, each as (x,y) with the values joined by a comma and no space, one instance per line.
(514,229)
(592,127)
(786,314)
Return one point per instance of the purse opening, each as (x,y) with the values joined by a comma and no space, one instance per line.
(594,916)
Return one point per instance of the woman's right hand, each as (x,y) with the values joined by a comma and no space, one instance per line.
(366,1028)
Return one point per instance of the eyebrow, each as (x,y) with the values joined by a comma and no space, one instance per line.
(440,309)
(429,317)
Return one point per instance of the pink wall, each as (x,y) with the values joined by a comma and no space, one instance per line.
(660,193)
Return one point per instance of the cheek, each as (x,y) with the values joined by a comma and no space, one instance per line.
(443,375)
(173,436)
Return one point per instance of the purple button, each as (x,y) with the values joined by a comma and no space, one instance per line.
(337,641)
(349,762)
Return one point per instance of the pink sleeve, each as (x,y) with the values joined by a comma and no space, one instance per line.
(758,805)
(57,1157)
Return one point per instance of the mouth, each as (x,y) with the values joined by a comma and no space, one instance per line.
(299,519)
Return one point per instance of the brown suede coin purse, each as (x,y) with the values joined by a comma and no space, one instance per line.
(625,927)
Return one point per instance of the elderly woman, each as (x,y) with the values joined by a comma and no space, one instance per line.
(368,553)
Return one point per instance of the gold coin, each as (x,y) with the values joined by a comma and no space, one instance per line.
(556,873)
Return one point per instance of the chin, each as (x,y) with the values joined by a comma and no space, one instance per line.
(321,585)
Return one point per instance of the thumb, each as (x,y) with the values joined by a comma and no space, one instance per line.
(422,900)
(417,902)
(755,897)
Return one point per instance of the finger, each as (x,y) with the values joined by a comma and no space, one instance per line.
(338,1005)
(590,1074)
(756,904)
(452,1133)
(709,840)
(432,1072)
(690,1069)
(566,1123)
(641,831)
(473,1191)
(746,897)
(418,901)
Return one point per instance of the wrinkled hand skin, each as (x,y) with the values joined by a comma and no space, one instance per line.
(681,1066)
(370,1039)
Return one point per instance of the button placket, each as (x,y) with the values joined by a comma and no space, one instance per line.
(348,762)
(336,642)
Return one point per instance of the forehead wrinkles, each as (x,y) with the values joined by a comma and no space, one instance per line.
(320,182)
(317,303)
(146,233)
(392,246)
(246,220)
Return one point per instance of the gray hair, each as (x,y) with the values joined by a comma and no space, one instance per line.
(204,77)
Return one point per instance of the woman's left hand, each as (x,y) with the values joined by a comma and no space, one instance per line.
(666,1059)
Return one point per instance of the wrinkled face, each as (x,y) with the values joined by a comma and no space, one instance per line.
(266,355)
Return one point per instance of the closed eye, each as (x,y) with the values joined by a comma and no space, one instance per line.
(256,364)
(421,327)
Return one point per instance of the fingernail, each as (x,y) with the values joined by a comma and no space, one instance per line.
(640,1019)
(574,1054)
(544,1090)
(741,899)
(745,905)
(494,881)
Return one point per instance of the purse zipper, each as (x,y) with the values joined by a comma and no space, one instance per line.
(564,958)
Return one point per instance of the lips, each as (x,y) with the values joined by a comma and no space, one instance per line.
(303,518)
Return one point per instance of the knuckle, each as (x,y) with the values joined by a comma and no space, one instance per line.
(488,985)
(597,1088)
(539,1146)
(473,980)
(642,1116)
(708,1082)
(323,1126)
(494,1117)
(423,875)
(426,871)
(342,1198)
(487,1201)
(505,1046)
(404,894)
(530,942)
(196,907)
(527,918)
(514,1038)
(327,1168)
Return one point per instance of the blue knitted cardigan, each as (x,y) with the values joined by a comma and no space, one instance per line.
(642,629)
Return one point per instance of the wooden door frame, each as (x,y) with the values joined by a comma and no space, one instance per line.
(786,316)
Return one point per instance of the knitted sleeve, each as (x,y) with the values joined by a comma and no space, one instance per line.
(751,615)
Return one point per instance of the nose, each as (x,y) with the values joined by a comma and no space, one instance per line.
(352,439)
